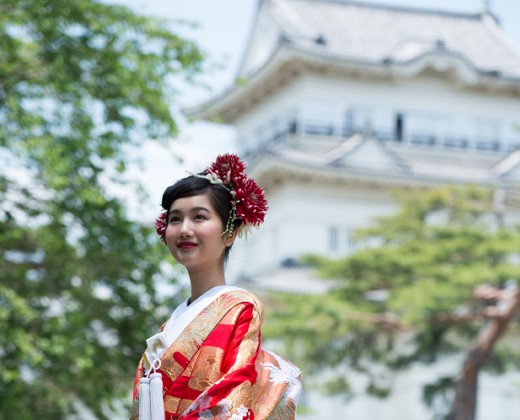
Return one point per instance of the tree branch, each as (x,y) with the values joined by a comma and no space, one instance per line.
(508,305)
(386,320)
(499,311)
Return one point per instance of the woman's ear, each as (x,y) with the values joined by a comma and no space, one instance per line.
(229,240)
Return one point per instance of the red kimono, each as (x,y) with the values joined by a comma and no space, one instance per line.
(216,368)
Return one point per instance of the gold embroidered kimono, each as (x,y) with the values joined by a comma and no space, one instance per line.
(216,368)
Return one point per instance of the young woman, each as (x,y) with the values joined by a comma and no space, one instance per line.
(207,362)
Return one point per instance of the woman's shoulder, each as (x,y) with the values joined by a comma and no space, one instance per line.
(239,295)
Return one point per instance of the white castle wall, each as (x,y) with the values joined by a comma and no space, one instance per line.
(301,219)
(302,215)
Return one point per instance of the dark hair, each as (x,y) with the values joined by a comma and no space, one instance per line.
(190,186)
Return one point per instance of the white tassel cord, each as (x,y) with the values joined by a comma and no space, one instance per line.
(156,397)
(144,399)
(151,403)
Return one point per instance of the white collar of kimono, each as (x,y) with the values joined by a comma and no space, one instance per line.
(180,319)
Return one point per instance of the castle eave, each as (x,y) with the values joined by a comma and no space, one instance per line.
(271,170)
(289,62)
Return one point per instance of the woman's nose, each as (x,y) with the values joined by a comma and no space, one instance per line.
(185,230)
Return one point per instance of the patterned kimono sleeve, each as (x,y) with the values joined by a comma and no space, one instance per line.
(233,394)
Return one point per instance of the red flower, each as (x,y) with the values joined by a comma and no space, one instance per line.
(251,202)
(229,168)
(160,226)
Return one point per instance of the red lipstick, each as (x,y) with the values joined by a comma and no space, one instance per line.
(186,245)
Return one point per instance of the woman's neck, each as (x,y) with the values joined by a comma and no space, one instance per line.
(203,281)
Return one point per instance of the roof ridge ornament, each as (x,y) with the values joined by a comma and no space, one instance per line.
(320,40)
(487,7)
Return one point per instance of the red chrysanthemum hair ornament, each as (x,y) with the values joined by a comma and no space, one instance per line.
(248,202)
(160,226)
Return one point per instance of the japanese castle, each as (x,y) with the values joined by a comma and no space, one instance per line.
(336,104)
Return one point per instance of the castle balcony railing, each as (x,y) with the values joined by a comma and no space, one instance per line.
(304,128)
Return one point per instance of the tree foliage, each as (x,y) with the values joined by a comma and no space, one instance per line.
(80,83)
(433,280)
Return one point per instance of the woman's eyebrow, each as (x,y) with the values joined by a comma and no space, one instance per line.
(192,210)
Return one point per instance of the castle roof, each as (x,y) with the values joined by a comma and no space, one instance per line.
(346,37)
(366,160)
(383,34)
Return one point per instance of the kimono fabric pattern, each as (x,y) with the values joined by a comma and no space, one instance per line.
(216,368)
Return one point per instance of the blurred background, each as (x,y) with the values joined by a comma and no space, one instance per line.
(386,136)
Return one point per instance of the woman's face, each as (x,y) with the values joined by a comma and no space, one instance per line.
(194,233)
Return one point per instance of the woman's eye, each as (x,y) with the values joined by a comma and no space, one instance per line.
(200,217)
(174,219)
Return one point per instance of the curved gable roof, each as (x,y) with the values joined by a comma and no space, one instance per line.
(379,34)
(353,38)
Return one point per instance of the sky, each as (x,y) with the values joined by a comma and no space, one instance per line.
(222,32)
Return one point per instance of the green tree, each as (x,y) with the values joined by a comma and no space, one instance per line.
(81,84)
(436,279)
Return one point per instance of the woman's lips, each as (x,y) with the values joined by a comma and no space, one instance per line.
(186,245)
